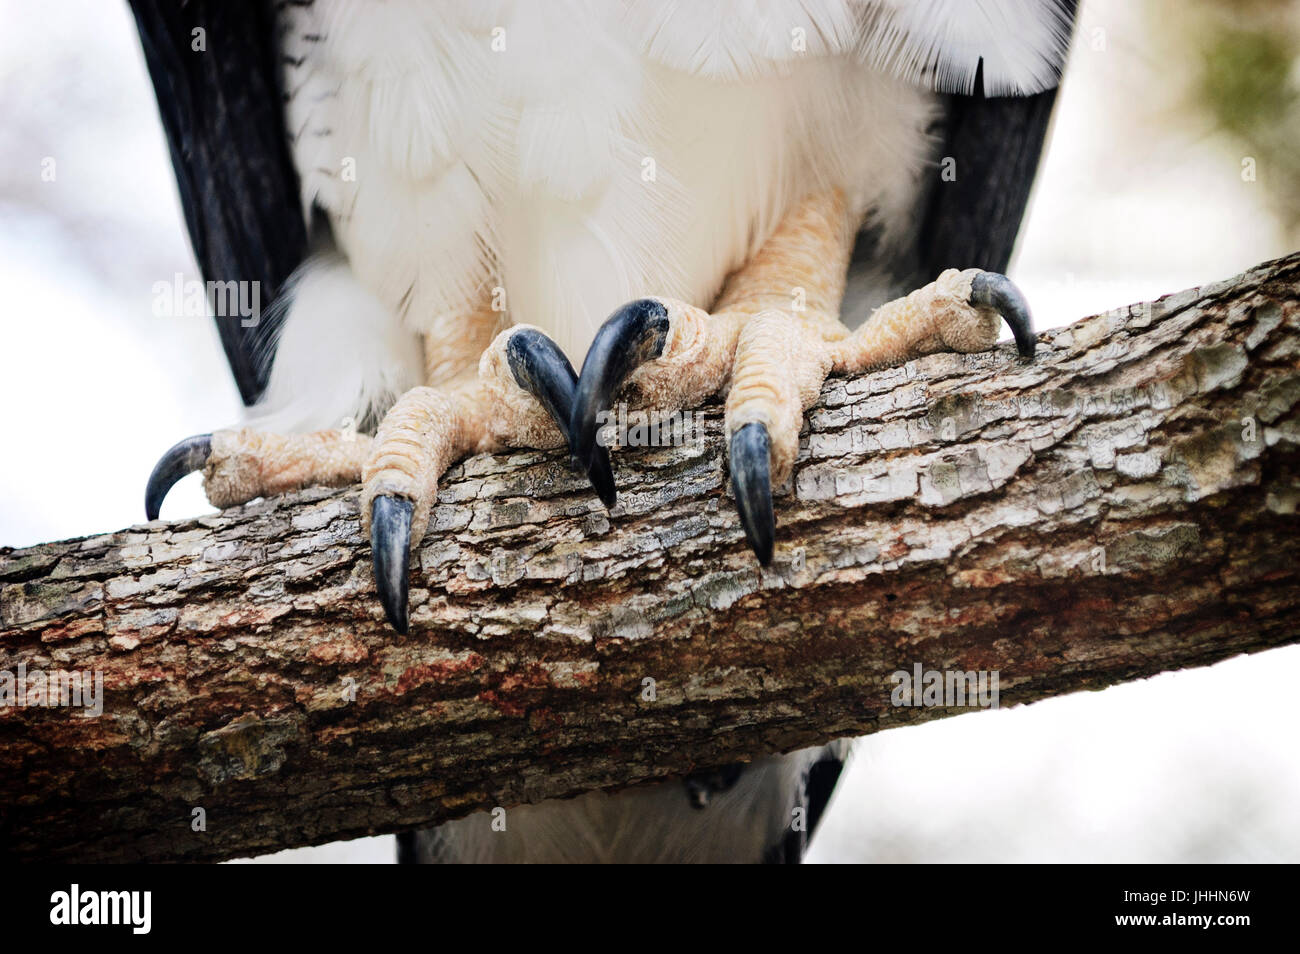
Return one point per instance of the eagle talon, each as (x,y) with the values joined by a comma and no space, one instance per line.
(751,481)
(996,291)
(541,369)
(630,337)
(390,554)
(179,461)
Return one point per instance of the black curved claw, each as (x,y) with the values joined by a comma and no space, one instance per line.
(390,554)
(996,291)
(751,481)
(541,369)
(630,337)
(182,459)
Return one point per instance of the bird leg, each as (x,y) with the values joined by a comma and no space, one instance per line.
(771,341)
(520,396)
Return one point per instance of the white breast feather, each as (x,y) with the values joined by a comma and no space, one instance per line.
(940,43)
(578,154)
(448,166)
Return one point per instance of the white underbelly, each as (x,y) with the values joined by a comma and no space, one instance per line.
(570,177)
(689,203)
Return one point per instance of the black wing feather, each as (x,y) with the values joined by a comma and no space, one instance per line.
(222,113)
(972,222)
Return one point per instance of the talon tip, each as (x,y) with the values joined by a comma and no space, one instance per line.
(601,474)
(630,337)
(390,554)
(180,460)
(751,481)
(996,291)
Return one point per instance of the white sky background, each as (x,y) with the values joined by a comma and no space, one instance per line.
(1137,198)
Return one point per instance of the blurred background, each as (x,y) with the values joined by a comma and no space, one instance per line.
(1174,161)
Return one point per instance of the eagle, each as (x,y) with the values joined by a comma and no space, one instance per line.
(450,205)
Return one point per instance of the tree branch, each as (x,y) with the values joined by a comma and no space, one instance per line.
(1124,505)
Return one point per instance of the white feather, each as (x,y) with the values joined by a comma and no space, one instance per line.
(940,43)
(572,168)
(741,39)
(341,354)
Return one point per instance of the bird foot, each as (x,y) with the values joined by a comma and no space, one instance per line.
(770,356)
(522,396)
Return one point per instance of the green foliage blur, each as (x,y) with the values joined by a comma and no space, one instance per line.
(1246,76)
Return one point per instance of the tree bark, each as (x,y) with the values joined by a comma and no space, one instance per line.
(1123,505)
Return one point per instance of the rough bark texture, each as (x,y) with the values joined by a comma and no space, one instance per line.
(1124,505)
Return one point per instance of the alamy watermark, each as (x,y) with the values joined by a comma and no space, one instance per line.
(195,299)
(620,427)
(75,906)
(945,687)
(60,688)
